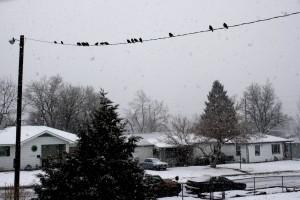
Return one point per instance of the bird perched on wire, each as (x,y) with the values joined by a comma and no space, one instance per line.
(211,28)
(171,35)
(225,25)
(61,42)
(141,40)
(78,43)
(96,44)
(135,40)
(55,42)
(106,43)
(128,41)
(132,40)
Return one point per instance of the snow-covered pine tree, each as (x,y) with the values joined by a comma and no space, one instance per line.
(219,119)
(102,167)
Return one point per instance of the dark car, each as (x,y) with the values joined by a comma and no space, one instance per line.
(158,187)
(212,184)
(154,163)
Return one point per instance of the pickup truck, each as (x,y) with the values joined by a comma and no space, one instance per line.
(158,187)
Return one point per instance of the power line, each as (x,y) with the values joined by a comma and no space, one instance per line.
(130,41)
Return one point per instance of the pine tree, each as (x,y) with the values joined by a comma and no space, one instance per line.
(102,167)
(219,120)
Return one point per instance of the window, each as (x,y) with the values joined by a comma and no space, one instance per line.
(238,150)
(275,148)
(5,151)
(171,153)
(257,150)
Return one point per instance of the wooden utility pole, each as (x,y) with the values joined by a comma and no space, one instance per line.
(17,161)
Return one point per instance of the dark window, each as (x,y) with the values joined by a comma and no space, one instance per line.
(171,153)
(155,153)
(5,151)
(238,150)
(257,150)
(215,149)
(275,148)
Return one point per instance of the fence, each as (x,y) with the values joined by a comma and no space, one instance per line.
(254,186)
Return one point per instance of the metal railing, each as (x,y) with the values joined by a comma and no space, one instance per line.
(254,186)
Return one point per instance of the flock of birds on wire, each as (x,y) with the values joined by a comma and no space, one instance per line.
(130,41)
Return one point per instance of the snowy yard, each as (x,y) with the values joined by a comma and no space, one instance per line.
(230,170)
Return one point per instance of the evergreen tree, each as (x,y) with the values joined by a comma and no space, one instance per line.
(219,119)
(102,167)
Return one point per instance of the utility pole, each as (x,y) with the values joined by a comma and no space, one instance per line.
(17,161)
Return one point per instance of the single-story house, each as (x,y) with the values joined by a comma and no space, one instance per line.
(39,145)
(175,155)
(259,148)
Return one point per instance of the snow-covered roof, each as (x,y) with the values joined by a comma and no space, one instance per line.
(154,139)
(159,140)
(8,135)
(264,138)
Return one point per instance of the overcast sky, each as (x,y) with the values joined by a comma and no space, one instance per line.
(180,71)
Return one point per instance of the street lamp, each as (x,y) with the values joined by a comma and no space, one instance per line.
(17,160)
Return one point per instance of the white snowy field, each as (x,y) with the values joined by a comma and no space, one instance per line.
(278,196)
(184,173)
(233,169)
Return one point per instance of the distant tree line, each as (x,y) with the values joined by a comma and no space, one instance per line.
(52,102)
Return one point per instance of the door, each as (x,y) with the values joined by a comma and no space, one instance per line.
(52,153)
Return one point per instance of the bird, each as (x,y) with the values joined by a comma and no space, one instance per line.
(140,40)
(135,40)
(171,35)
(106,43)
(87,44)
(128,41)
(102,43)
(78,43)
(61,42)
(96,44)
(132,40)
(225,25)
(55,42)
(211,28)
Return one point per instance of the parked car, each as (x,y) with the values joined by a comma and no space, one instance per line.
(154,163)
(212,184)
(158,187)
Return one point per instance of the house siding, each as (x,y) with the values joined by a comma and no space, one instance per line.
(142,152)
(28,157)
(265,152)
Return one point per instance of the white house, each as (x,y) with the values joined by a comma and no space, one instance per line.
(38,145)
(259,148)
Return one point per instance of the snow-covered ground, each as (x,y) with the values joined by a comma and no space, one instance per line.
(249,169)
(278,196)
(26,178)
(232,171)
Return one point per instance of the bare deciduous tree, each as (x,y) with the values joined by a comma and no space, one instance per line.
(8,97)
(146,115)
(179,132)
(263,109)
(298,120)
(43,97)
(60,105)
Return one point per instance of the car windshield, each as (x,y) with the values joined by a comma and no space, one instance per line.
(155,160)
